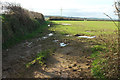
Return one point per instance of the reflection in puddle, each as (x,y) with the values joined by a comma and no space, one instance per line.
(88,31)
(63,44)
(28,44)
(55,40)
(66,24)
(49,25)
(38,39)
(44,37)
(51,34)
(68,35)
(87,37)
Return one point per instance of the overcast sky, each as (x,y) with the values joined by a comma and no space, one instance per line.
(70,8)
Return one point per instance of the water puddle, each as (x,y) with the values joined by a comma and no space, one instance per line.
(63,44)
(87,31)
(51,34)
(55,40)
(87,37)
(38,39)
(66,24)
(45,37)
(28,44)
(49,25)
(79,35)
(7,49)
(68,35)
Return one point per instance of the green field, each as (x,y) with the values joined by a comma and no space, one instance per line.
(85,27)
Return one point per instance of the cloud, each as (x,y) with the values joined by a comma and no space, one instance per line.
(94,8)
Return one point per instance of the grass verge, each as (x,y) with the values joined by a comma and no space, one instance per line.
(18,38)
(97,64)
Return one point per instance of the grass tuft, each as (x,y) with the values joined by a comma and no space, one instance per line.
(41,57)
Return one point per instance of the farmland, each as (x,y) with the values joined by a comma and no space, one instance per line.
(68,47)
(77,58)
(86,27)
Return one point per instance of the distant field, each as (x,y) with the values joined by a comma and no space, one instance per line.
(85,27)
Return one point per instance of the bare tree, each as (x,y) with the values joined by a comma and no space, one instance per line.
(117,8)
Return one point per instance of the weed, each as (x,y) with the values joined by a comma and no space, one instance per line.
(41,57)
(96,50)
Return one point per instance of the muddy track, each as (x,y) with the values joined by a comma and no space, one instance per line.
(71,61)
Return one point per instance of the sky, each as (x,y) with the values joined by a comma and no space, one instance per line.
(70,8)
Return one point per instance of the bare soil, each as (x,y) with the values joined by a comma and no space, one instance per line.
(71,61)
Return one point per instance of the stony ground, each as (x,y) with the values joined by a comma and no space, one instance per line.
(71,61)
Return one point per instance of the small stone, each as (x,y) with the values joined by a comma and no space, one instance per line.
(77,35)
(74,65)
(69,67)
(79,66)
(61,57)
(7,49)
(53,54)
(22,57)
(88,57)
(115,53)
(74,69)
(87,64)
(79,70)
(88,61)
(64,75)
(89,67)
(67,53)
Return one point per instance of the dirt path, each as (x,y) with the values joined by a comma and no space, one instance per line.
(65,64)
(71,61)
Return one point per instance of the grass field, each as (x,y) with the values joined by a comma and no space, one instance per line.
(86,27)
